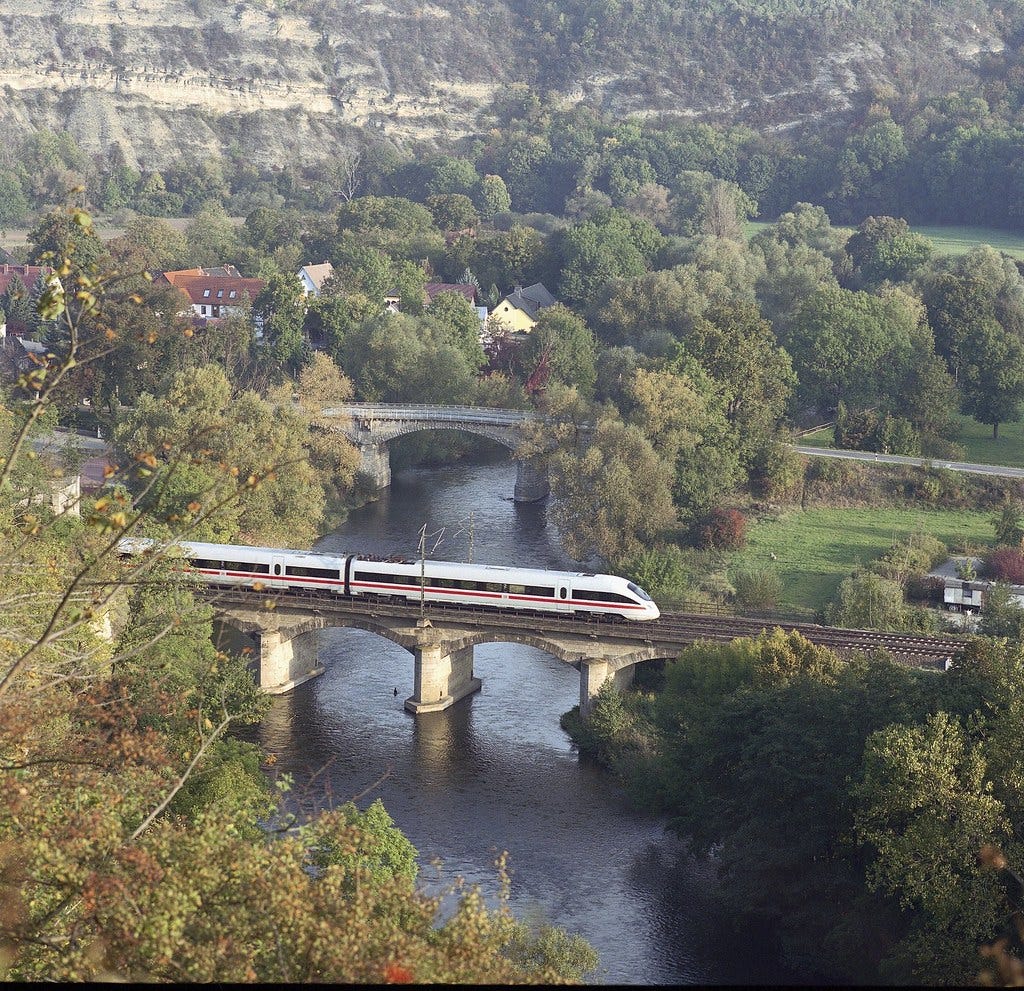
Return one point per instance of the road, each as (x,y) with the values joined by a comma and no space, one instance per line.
(1001,471)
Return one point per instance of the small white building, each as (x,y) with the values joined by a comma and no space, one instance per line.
(967,594)
(313,277)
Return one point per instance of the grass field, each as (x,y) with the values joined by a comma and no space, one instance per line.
(817,548)
(948,239)
(1006,449)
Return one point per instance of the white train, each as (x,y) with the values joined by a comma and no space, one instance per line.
(521,589)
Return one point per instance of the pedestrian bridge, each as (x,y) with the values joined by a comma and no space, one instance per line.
(372,426)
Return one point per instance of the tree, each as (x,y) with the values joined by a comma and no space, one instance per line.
(392,224)
(885,248)
(993,376)
(452,211)
(212,238)
(461,324)
(395,357)
(613,496)
(754,375)
(1009,524)
(492,197)
(851,346)
(130,840)
(63,235)
(200,425)
(925,810)
(609,245)
(569,345)
(280,308)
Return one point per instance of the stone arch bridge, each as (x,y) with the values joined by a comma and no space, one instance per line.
(441,644)
(372,426)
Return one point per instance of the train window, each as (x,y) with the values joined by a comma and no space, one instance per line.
(637,590)
(237,566)
(562,593)
(304,572)
(493,587)
(517,589)
(372,576)
(539,590)
(587,595)
(277,569)
(198,562)
(466,583)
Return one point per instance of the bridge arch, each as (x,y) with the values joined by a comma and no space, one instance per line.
(372,427)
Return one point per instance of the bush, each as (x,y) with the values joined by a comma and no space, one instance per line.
(924,589)
(757,588)
(870,602)
(1005,564)
(913,556)
(778,471)
(855,431)
(659,571)
(722,529)
(831,471)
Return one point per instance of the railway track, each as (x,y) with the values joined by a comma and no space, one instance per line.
(677,629)
(720,629)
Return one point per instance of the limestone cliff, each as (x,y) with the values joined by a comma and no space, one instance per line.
(298,80)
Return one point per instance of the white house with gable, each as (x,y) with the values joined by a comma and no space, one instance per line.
(313,277)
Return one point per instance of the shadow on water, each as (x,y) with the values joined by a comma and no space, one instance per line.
(495,773)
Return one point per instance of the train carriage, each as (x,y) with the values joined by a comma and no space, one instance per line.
(527,590)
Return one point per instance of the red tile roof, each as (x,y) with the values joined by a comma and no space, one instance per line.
(214,290)
(28,274)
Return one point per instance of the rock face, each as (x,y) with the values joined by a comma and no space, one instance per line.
(164,78)
(301,80)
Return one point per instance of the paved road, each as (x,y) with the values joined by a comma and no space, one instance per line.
(899,459)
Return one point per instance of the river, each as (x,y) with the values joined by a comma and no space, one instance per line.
(495,772)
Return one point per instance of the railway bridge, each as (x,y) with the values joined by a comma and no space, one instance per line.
(372,426)
(441,640)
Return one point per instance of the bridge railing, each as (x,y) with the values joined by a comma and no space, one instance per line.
(424,411)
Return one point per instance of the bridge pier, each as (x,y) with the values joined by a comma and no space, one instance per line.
(594,672)
(441,677)
(532,483)
(375,463)
(286,659)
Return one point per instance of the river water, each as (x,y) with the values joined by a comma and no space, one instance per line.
(495,773)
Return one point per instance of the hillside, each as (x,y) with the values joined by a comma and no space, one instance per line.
(297,80)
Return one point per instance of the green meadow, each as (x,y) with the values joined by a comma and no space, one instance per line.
(947,239)
(815,549)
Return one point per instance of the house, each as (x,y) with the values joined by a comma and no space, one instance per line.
(313,277)
(431,290)
(519,309)
(28,274)
(213,293)
(464,289)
